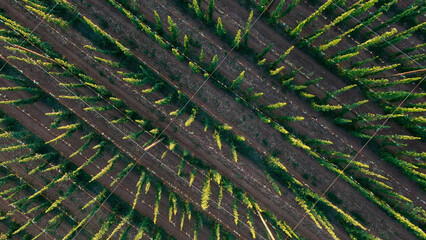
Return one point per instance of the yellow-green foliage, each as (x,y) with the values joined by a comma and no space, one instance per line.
(157,202)
(80,224)
(196,8)
(225,127)
(235,84)
(235,211)
(47,65)
(306,208)
(344,57)
(160,41)
(237,39)
(152,89)
(275,161)
(326,108)
(234,152)
(340,18)
(410,110)
(216,176)
(240,138)
(398,137)
(362,72)
(329,44)
(177,54)
(206,192)
(274,184)
(98,198)
(174,113)
(264,118)
(250,223)
(191,118)
(216,137)
(261,62)
(298,143)
(220,197)
(376,39)
(414,154)
(107,61)
(48,17)
(192,176)
(106,169)
(280,129)
(299,27)
(172,205)
(276,71)
(173,28)
(186,44)
(101,32)
(276,105)
(105,228)
(220,29)
(164,101)
(120,225)
(182,220)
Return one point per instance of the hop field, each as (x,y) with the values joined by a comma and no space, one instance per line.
(212,119)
